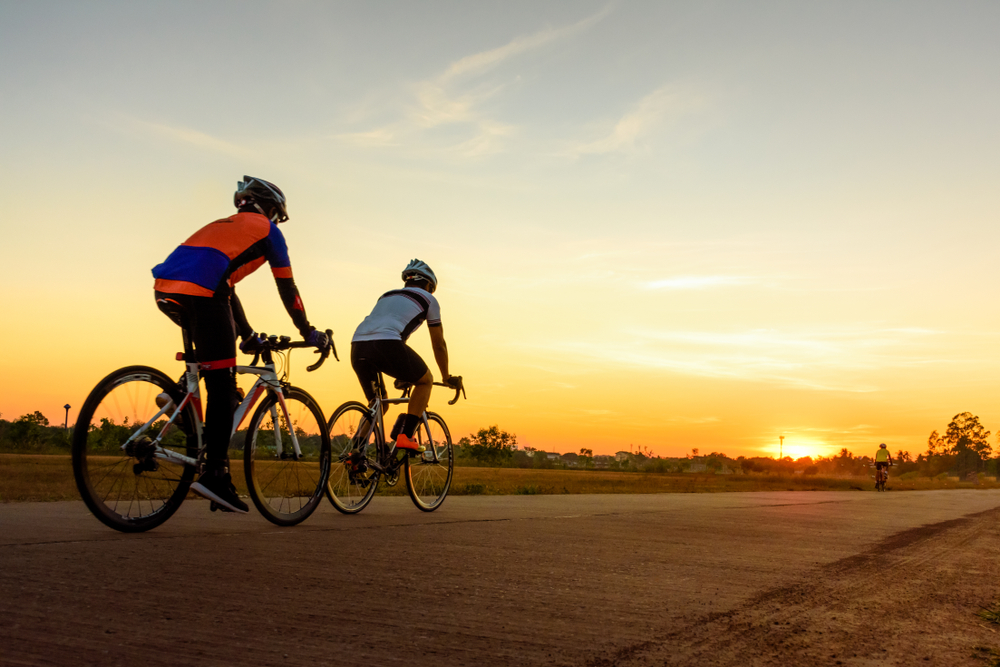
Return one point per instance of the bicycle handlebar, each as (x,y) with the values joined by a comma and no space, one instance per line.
(457,385)
(280,343)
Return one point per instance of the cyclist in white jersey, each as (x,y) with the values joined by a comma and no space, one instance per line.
(379,345)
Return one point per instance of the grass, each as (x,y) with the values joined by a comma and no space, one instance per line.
(986,653)
(37,477)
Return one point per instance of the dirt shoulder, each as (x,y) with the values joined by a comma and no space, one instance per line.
(911,599)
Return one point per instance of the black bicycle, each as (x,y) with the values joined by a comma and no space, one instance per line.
(362,457)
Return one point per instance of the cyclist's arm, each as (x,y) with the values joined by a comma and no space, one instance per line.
(276,253)
(243,327)
(293,303)
(440,348)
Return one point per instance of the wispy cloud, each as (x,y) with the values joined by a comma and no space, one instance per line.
(660,107)
(456,97)
(698,282)
(841,361)
(485,60)
(184,135)
(380,137)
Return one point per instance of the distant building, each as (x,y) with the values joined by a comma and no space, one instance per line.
(622,456)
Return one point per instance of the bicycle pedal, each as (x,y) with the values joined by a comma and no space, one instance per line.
(216,507)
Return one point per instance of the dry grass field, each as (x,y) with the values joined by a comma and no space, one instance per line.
(50,477)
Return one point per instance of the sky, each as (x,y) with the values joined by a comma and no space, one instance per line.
(666,225)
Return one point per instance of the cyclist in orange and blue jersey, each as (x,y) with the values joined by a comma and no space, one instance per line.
(198,278)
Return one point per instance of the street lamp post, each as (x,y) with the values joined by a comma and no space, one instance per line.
(66,423)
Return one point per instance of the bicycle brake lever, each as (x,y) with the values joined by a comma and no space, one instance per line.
(458,390)
(319,362)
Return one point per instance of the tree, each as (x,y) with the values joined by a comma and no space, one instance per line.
(966,433)
(492,446)
(28,430)
(34,419)
(936,444)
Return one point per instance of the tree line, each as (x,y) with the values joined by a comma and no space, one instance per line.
(962,450)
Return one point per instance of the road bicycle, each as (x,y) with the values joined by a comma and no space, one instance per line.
(363,456)
(138,441)
(881,476)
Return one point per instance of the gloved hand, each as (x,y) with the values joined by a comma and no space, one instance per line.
(252,343)
(318,339)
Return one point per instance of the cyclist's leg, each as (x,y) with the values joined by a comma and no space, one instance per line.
(364,361)
(396,359)
(421,395)
(214,335)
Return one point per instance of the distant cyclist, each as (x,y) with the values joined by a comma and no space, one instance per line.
(379,346)
(882,461)
(197,279)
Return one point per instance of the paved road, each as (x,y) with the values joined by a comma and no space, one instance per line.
(539,580)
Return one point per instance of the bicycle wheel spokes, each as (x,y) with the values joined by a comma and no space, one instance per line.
(353,482)
(118,472)
(428,475)
(286,483)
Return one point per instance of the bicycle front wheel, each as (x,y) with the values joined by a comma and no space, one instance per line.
(286,457)
(428,474)
(118,461)
(353,481)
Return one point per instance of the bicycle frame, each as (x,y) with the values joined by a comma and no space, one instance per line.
(267,380)
(376,417)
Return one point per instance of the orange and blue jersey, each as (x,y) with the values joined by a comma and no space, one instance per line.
(221,254)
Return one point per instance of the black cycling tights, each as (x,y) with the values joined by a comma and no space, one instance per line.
(213,332)
(222,401)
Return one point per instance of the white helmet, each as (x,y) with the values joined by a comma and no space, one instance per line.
(419,270)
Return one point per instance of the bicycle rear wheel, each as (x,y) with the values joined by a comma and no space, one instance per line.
(122,482)
(428,474)
(353,481)
(285,485)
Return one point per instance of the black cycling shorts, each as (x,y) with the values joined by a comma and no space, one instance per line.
(881,464)
(210,324)
(392,357)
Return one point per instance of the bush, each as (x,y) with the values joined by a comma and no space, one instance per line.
(490,446)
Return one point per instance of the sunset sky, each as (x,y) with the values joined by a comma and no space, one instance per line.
(656,224)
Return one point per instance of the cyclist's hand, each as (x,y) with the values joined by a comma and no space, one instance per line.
(454,381)
(252,343)
(318,339)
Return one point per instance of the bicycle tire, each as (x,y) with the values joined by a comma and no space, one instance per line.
(349,493)
(286,488)
(428,481)
(130,491)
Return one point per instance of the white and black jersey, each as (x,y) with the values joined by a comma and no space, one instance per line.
(399,313)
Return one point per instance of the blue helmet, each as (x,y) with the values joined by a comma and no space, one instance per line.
(420,271)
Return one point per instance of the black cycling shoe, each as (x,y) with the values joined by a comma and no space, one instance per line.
(217,486)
